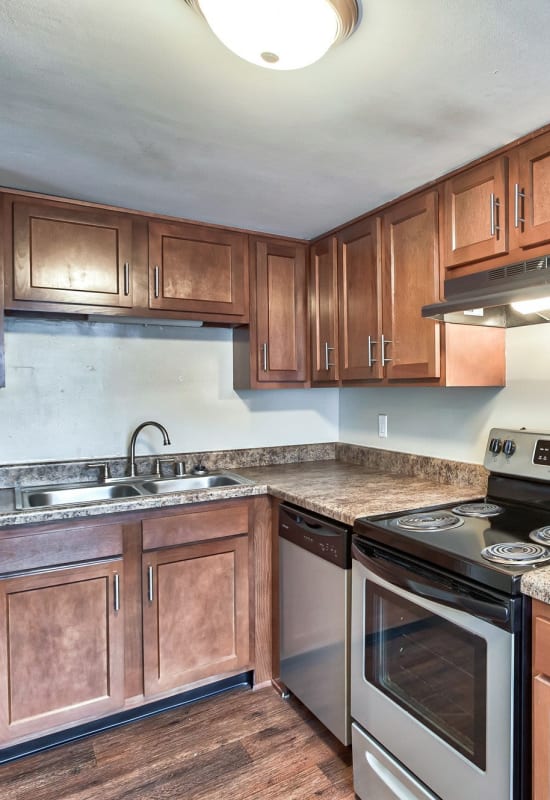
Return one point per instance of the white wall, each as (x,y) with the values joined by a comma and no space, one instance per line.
(78,389)
(454,423)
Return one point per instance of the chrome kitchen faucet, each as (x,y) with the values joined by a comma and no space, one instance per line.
(133,440)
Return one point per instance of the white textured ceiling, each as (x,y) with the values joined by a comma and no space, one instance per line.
(137,104)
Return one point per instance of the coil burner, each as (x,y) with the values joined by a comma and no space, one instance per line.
(429,521)
(541,535)
(477,509)
(516,553)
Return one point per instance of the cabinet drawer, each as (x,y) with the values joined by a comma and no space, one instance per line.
(64,546)
(541,641)
(212,523)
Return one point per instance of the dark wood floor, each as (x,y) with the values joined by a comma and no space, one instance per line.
(239,745)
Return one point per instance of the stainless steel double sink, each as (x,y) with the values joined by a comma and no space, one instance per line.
(114,489)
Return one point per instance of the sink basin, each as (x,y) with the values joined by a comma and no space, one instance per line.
(191,482)
(50,496)
(63,495)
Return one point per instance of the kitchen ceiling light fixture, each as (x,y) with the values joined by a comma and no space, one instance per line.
(279,34)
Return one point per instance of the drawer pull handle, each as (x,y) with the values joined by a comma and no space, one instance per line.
(517,195)
(117,591)
(495,206)
(150,584)
(126,279)
(385,359)
(328,362)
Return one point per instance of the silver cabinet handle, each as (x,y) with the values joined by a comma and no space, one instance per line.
(517,195)
(126,278)
(372,343)
(328,363)
(495,205)
(383,343)
(264,356)
(156,274)
(150,584)
(117,591)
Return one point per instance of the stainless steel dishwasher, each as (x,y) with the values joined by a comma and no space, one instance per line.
(314,596)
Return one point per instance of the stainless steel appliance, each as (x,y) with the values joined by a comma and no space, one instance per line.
(314,591)
(441,636)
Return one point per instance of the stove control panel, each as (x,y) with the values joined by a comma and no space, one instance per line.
(522,453)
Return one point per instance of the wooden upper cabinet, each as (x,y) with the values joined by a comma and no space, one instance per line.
(199,270)
(195,613)
(281,313)
(360,300)
(61,647)
(411,347)
(476,213)
(323,296)
(531,193)
(74,255)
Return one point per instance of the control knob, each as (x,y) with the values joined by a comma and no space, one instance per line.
(495,446)
(509,447)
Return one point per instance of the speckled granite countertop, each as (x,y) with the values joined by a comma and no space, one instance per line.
(334,488)
(536,584)
(347,491)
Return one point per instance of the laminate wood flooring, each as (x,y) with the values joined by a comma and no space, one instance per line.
(241,745)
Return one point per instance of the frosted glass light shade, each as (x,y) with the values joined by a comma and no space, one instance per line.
(279,34)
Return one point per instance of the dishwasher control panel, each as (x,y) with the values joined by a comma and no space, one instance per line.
(324,538)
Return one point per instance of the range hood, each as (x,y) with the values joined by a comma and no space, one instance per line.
(485,298)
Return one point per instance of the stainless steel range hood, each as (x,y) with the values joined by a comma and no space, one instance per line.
(484,298)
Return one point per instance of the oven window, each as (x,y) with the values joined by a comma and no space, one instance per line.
(432,668)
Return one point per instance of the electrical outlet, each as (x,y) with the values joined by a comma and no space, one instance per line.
(383,426)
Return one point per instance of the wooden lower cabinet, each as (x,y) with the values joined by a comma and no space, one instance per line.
(195,613)
(61,647)
(541,700)
(97,618)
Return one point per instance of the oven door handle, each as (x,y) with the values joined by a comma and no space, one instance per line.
(431,589)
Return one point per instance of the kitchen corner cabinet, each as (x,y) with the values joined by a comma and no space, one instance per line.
(196,597)
(411,347)
(323,313)
(70,254)
(476,213)
(273,353)
(198,269)
(541,700)
(61,630)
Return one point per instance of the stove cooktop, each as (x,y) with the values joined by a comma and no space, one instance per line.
(458,549)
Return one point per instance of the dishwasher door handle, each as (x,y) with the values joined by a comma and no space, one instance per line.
(315,528)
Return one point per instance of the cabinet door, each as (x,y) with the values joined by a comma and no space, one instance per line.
(196,613)
(198,269)
(360,300)
(476,213)
(71,255)
(281,332)
(411,280)
(532,192)
(541,738)
(323,293)
(61,647)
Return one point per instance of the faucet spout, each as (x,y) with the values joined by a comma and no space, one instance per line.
(133,440)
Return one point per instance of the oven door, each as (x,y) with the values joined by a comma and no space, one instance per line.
(431,680)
